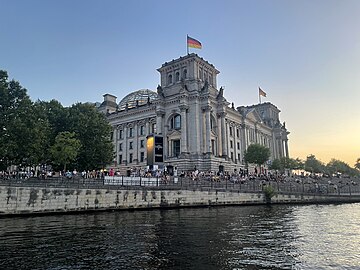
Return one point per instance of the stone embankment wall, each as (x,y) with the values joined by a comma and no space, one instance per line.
(27,200)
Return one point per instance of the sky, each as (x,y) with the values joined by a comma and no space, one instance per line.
(304,54)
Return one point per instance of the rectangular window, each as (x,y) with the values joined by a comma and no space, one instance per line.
(130,158)
(176,147)
(237,133)
(238,146)
(120,134)
(232,156)
(142,144)
(142,154)
(131,132)
(153,128)
(231,144)
(213,147)
(142,130)
(230,131)
(120,159)
(239,157)
(120,146)
(130,145)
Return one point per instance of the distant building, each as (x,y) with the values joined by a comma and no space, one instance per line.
(199,127)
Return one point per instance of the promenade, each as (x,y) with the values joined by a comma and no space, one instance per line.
(289,185)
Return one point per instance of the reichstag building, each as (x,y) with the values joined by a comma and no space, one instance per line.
(188,123)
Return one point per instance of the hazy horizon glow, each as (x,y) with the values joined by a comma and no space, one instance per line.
(304,54)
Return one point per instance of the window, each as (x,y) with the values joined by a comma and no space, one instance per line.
(201,73)
(237,133)
(231,144)
(120,146)
(130,158)
(232,156)
(184,74)
(120,134)
(230,130)
(177,76)
(213,147)
(212,124)
(153,128)
(131,132)
(130,145)
(142,130)
(175,122)
(238,157)
(169,79)
(238,146)
(176,147)
(120,159)
(142,154)
(142,143)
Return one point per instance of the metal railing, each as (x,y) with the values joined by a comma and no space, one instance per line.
(187,183)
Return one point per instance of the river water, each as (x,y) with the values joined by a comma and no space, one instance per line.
(246,237)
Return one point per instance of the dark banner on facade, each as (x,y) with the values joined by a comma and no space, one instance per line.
(159,149)
(155,150)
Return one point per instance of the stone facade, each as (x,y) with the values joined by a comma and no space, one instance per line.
(200,127)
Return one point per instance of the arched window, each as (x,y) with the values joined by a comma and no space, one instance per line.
(184,74)
(175,122)
(169,79)
(177,76)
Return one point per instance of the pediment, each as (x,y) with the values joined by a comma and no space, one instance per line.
(174,133)
(253,115)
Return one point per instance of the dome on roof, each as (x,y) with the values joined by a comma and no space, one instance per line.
(137,98)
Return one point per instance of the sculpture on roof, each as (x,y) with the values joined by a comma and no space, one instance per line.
(160,91)
(221,93)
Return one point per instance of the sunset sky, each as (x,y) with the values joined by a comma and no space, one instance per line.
(304,54)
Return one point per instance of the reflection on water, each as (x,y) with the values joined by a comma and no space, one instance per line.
(248,237)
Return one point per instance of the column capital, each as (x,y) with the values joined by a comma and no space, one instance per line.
(206,108)
(183,107)
(221,114)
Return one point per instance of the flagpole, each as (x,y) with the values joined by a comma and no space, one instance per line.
(187,45)
(259,96)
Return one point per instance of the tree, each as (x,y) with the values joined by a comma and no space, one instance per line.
(286,163)
(313,165)
(257,154)
(65,149)
(357,164)
(94,133)
(23,131)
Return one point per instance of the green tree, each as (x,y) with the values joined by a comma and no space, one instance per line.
(286,163)
(357,164)
(65,149)
(257,154)
(94,133)
(313,165)
(23,131)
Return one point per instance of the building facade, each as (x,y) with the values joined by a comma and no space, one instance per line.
(199,127)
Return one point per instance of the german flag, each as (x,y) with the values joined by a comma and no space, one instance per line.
(193,43)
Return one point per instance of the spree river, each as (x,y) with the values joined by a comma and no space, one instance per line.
(246,237)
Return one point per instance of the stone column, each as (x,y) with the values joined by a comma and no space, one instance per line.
(286,148)
(125,145)
(223,135)
(207,110)
(135,142)
(159,122)
(183,109)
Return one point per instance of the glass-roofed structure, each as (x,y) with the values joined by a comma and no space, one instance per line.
(137,98)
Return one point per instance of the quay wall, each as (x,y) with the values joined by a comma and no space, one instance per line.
(37,200)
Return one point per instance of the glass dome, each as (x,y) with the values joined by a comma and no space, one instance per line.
(137,98)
